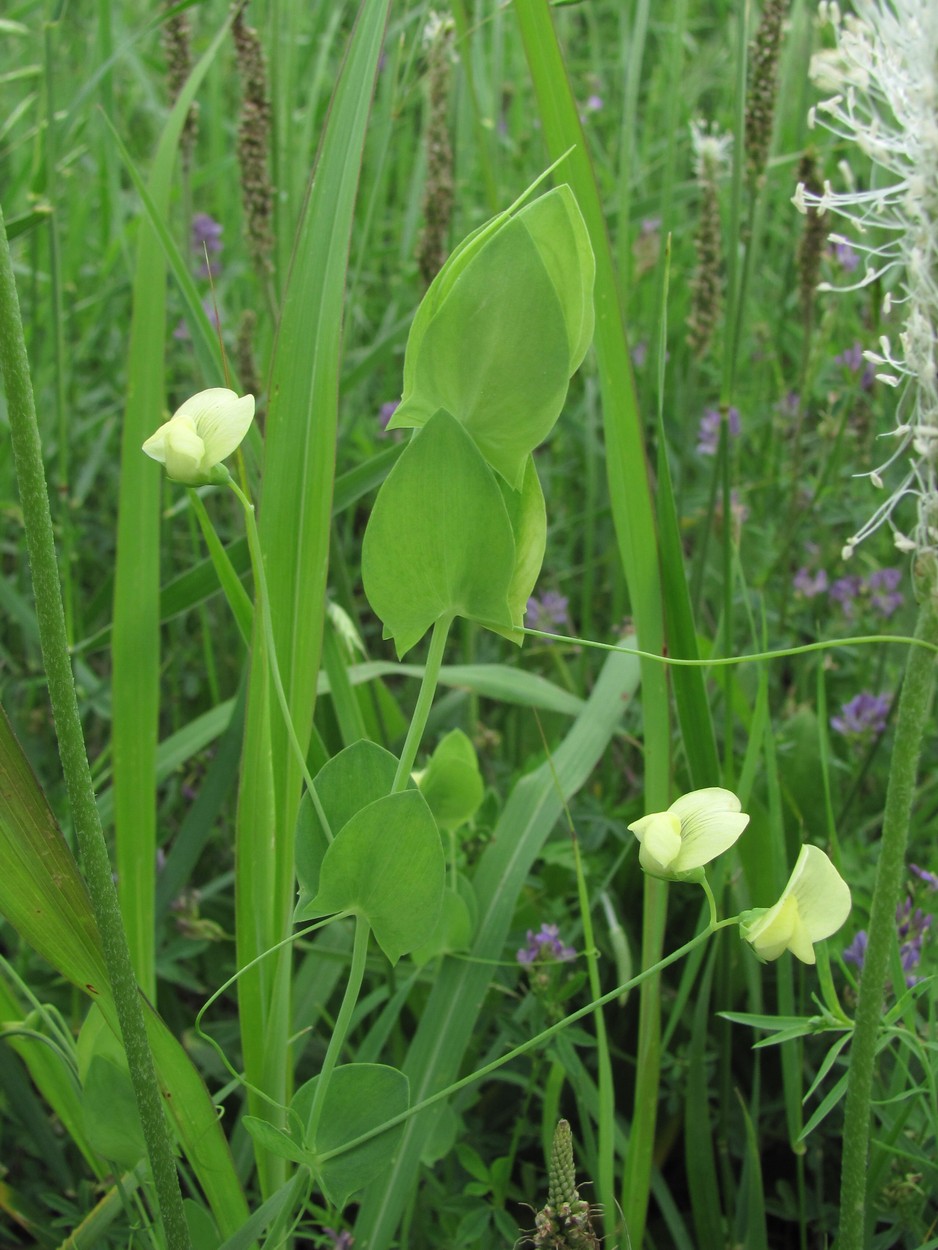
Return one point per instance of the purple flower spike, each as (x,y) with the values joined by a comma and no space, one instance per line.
(545,946)
(930,878)
(885,596)
(856,951)
(845,256)
(708,433)
(548,613)
(865,714)
(809,585)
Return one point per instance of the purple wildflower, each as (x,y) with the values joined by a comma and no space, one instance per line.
(807,584)
(639,353)
(912,927)
(853,360)
(340,1241)
(845,592)
(594,103)
(930,878)
(845,256)
(547,613)
(545,946)
(856,951)
(386,412)
(884,595)
(708,433)
(206,237)
(181,331)
(864,714)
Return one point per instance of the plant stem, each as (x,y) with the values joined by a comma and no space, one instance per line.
(50,615)
(340,1032)
(260,580)
(911,722)
(428,686)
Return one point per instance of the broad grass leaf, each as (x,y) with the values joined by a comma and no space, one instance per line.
(501,344)
(345,784)
(386,865)
(360,1097)
(439,540)
(451,782)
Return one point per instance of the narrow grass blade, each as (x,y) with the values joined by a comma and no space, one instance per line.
(295,514)
(135,639)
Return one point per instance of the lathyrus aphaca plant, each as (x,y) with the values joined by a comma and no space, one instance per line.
(459,526)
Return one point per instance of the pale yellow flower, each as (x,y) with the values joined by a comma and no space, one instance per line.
(695,829)
(814,904)
(200,434)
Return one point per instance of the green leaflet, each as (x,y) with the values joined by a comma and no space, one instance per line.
(439,539)
(501,330)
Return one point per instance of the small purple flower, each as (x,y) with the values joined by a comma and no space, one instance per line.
(852,359)
(866,714)
(845,591)
(856,951)
(547,613)
(386,412)
(639,353)
(884,595)
(181,331)
(845,256)
(930,878)
(594,103)
(789,404)
(206,237)
(545,946)
(809,585)
(708,433)
(340,1241)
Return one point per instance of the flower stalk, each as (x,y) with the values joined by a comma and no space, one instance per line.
(50,615)
(911,722)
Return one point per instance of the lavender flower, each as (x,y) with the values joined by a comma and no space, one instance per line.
(809,585)
(884,76)
(548,613)
(844,255)
(912,927)
(846,591)
(855,361)
(594,103)
(340,1241)
(708,433)
(930,878)
(545,946)
(884,595)
(205,237)
(865,715)
(386,412)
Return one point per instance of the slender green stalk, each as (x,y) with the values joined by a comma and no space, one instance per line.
(34,498)
(260,578)
(418,724)
(340,1031)
(911,723)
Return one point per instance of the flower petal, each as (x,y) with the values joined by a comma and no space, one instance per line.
(660,838)
(223,424)
(822,894)
(710,823)
(771,932)
(184,450)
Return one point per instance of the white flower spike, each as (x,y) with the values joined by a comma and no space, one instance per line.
(200,434)
(695,829)
(814,904)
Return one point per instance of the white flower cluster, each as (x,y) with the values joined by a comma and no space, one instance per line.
(712,149)
(884,71)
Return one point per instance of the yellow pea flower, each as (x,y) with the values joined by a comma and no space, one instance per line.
(200,434)
(814,904)
(695,829)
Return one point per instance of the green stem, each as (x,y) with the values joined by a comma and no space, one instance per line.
(418,724)
(260,579)
(340,1031)
(50,615)
(911,722)
(533,1042)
